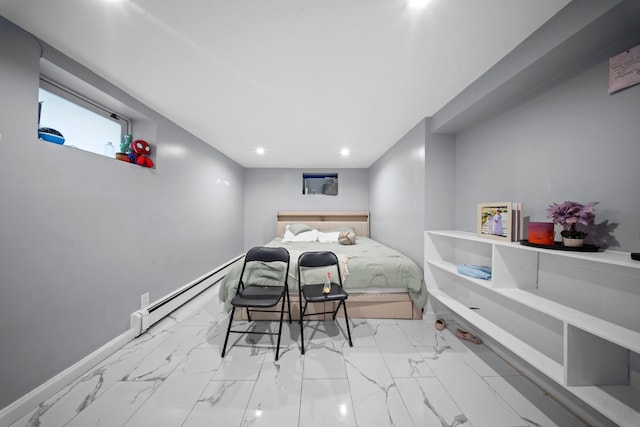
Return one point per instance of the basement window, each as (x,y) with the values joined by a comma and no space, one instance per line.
(320,183)
(83,123)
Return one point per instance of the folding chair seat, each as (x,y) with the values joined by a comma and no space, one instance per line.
(312,272)
(262,285)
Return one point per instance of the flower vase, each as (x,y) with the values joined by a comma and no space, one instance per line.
(573,243)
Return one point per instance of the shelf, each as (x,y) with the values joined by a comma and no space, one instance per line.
(452,269)
(521,349)
(454,233)
(571,315)
(609,331)
(621,404)
(607,257)
(622,259)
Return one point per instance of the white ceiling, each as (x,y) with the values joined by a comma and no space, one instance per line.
(301,78)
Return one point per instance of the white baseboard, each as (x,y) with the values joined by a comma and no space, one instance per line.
(29,401)
(146,317)
(140,321)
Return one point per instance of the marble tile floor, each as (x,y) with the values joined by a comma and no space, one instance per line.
(398,373)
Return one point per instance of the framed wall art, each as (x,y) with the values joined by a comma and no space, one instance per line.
(494,220)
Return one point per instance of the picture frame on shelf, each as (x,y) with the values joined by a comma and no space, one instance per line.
(493,220)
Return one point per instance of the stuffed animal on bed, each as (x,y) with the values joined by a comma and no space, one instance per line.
(347,238)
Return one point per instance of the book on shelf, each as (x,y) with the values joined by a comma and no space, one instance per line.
(517,221)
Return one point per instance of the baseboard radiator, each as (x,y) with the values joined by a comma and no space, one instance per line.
(146,317)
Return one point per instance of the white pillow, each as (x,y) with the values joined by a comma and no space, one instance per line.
(324,237)
(305,236)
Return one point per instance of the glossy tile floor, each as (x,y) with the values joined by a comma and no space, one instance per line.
(398,373)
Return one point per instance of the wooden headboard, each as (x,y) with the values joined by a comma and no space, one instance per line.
(325,220)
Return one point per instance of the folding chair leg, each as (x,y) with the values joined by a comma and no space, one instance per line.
(288,305)
(346,319)
(302,310)
(280,328)
(224,347)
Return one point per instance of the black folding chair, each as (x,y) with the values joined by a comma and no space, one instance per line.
(262,285)
(321,263)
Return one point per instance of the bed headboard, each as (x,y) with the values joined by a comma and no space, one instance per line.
(325,220)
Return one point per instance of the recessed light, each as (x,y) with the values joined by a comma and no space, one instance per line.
(344,152)
(260,151)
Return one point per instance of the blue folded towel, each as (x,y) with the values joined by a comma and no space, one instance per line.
(475,271)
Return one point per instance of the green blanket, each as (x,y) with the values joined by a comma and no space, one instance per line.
(365,265)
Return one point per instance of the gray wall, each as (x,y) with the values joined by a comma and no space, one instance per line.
(268,191)
(396,195)
(83,236)
(574,142)
(539,126)
(440,182)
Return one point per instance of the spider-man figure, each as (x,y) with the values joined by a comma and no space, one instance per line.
(140,151)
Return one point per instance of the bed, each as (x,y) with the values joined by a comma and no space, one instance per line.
(381,282)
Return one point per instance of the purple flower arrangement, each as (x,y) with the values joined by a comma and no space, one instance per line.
(569,214)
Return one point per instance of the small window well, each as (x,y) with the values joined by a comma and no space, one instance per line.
(320,183)
(65,117)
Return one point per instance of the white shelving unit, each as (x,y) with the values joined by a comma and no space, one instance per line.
(574,316)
